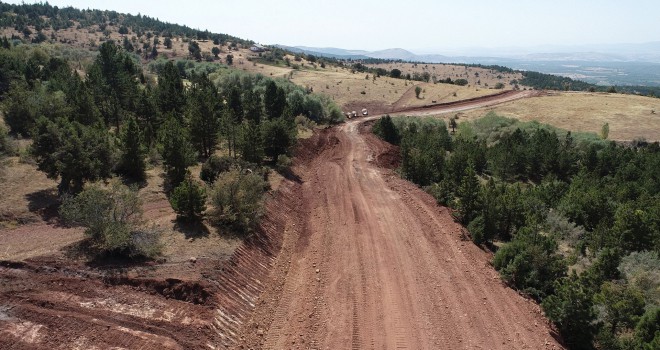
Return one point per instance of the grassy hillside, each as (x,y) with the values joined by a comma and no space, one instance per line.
(629,117)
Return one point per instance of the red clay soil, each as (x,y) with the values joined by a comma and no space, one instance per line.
(379,265)
(55,302)
(348,256)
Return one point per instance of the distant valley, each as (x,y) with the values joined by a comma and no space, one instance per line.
(622,65)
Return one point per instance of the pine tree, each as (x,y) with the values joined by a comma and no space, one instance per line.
(113,81)
(252,106)
(278,136)
(274,100)
(468,195)
(251,143)
(71,151)
(176,150)
(170,91)
(132,162)
(189,199)
(202,113)
(570,308)
(149,118)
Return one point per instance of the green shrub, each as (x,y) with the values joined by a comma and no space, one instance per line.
(283,162)
(386,130)
(113,220)
(477,230)
(461,82)
(442,191)
(530,263)
(647,331)
(214,166)
(642,270)
(304,122)
(7,147)
(189,200)
(238,199)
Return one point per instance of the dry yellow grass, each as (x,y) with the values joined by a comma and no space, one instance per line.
(346,89)
(629,117)
(476,77)
(25,193)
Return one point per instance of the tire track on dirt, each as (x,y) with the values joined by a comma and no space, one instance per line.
(394,271)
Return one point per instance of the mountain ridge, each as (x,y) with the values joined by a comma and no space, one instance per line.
(627,52)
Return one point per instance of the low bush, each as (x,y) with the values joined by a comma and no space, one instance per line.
(214,166)
(238,199)
(113,220)
(189,200)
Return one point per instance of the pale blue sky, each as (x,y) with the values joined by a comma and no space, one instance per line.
(418,25)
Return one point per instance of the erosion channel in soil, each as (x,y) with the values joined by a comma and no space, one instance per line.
(348,256)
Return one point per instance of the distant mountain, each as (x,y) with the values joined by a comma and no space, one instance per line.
(630,52)
(623,65)
(396,54)
(326,52)
(388,54)
(644,52)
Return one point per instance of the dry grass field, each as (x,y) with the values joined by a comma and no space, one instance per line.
(26,194)
(476,77)
(630,117)
(354,91)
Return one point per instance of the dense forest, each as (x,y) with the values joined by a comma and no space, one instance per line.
(574,219)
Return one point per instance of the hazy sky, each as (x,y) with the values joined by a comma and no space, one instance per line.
(418,25)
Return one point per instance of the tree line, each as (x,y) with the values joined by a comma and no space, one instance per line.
(579,218)
(43,15)
(543,81)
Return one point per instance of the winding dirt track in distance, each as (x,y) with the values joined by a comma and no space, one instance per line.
(379,265)
(463,105)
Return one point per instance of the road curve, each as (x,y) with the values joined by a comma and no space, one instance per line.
(464,105)
(378,265)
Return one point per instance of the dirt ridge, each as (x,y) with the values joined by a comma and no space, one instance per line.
(106,309)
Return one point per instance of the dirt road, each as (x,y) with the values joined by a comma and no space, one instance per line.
(378,265)
(347,256)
